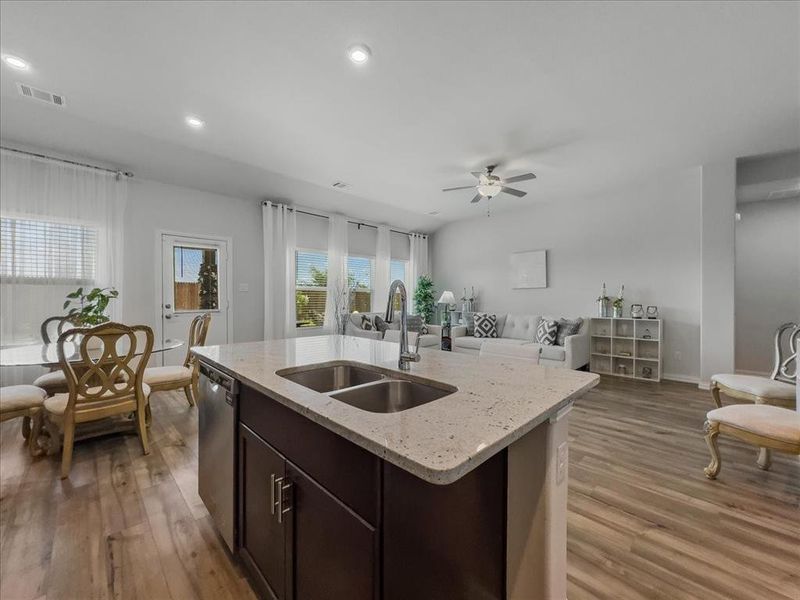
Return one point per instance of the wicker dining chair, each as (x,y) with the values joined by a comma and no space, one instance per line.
(54,382)
(101,386)
(185,376)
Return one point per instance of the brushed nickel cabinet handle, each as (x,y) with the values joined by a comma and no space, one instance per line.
(272,494)
(283,488)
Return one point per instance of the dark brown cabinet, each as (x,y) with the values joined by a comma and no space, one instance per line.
(262,538)
(296,538)
(322,519)
(334,549)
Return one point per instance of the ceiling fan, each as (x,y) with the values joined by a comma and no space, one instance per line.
(489,184)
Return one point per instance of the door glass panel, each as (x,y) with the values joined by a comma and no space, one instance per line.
(195,278)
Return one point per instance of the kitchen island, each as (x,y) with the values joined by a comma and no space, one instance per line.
(356,480)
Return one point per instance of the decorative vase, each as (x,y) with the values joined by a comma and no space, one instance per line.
(637,312)
(602,307)
(617,312)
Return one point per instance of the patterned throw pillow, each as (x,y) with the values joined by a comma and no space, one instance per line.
(567,327)
(485,325)
(382,326)
(414,323)
(366,323)
(546,332)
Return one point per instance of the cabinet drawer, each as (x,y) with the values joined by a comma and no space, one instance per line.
(348,472)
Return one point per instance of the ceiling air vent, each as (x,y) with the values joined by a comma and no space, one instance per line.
(41,95)
(341,185)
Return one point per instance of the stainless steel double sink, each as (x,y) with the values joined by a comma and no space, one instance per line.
(367,387)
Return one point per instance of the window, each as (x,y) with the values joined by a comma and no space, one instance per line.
(35,251)
(195,278)
(397,270)
(359,278)
(311,279)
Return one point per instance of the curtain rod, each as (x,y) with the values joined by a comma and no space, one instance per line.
(67,161)
(359,223)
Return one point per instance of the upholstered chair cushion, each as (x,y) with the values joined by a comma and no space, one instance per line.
(55,379)
(168,374)
(57,404)
(14,398)
(774,422)
(757,386)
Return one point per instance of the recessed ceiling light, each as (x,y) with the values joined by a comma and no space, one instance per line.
(359,53)
(15,62)
(195,122)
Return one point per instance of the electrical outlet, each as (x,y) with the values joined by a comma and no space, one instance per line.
(562,458)
(678,355)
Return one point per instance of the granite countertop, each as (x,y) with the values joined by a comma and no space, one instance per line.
(498,400)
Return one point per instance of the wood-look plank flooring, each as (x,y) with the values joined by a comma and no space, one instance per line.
(644,522)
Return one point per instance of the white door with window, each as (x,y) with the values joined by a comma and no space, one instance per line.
(194,280)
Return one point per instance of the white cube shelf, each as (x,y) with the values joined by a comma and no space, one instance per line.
(628,348)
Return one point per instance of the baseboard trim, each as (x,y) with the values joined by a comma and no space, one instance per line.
(681,378)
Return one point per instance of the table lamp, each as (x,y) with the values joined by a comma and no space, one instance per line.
(448,300)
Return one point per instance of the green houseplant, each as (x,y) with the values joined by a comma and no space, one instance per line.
(89,307)
(424,298)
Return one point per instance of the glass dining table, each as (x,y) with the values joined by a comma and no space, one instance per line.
(46,355)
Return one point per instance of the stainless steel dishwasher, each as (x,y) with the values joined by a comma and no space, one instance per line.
(217,449)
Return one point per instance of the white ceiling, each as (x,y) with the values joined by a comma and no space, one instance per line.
(586,95)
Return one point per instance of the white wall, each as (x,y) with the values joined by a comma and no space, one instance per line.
(646,236)
(717,340)
(156,206)
(767,278)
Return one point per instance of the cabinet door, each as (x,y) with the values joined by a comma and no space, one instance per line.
(262,538)
(335,552)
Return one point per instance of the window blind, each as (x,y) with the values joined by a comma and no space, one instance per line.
(311,277)
(37,251)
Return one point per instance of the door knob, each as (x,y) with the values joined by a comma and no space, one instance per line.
(168,306)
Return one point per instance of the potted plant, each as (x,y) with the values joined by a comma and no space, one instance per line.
(619,303)
(424,301)
(89,307)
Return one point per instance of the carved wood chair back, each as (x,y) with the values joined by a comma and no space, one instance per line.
(198,330)
(787,341)
(53,327)
(108,377)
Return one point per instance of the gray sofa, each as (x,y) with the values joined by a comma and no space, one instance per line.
(426,340)
(520,330)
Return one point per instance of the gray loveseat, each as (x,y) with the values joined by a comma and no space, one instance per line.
(426,340)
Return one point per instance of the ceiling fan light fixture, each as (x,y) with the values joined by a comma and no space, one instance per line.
(489,190)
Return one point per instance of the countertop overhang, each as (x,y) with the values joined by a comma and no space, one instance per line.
(498,400)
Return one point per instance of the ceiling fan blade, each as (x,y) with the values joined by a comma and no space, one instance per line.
(513,192)
(516,178)
(477,174)
(476,199)
(463,187)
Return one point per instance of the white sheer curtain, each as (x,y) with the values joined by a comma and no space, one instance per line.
(383,257)
(338,292)
(418,264)
(61,227)
(280,241)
